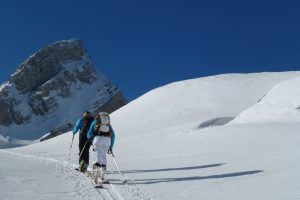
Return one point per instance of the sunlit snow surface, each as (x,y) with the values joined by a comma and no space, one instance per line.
(165,155)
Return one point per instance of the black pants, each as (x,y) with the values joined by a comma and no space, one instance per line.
(86,151)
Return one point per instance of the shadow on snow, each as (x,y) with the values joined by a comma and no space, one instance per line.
(193,178)
(173,169)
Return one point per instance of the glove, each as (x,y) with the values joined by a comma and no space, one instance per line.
(110,151)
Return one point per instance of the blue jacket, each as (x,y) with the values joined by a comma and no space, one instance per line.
(78,126)
(90,134)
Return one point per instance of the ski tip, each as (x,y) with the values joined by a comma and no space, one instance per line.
(98,186)
(105,182)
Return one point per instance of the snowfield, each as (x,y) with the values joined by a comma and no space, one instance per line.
(225,137)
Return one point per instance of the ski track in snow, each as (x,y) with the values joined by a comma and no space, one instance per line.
(83,184)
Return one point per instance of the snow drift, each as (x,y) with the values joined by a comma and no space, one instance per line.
(279,105)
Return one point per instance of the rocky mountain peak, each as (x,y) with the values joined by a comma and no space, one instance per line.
(47,84)
(46,63)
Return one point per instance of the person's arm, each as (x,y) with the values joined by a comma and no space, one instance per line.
(90,134)
(78,126)
(113,136)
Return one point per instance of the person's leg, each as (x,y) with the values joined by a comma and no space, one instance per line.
(82,141)
(86,152)
(83,153)
(101,145)
(101,148)
(106,144)
(97,148)
(97,167)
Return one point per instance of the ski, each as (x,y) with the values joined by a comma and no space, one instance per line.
(98,187)
(91,177)
(97,179)
(100,184)
(105,182)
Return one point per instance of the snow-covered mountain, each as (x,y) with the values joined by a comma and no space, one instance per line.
(175,142)
(51,89)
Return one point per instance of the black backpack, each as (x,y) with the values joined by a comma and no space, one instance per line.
(87,121)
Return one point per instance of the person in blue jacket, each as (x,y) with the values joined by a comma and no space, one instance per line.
(83,124)
(103,137)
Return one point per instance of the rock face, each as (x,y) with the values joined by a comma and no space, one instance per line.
(54,86)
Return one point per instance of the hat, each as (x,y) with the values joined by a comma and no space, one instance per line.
(86,113)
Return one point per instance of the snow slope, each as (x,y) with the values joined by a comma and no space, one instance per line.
(281,104)
(201,99)
(165,155)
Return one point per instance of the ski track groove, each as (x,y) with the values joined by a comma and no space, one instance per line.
(85,191)
(130,191)
(116,191)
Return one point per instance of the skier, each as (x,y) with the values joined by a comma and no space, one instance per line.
(83,124)
(102,133)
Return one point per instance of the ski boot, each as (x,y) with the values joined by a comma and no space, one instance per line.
(103,171)
(97,175)
(99,171)
(83,166)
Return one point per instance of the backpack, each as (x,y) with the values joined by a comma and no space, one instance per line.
(103,122)
(87,121)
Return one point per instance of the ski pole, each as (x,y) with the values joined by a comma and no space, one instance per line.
(122,177)
(69,155)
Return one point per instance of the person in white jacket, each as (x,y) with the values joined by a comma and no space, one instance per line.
(103,137)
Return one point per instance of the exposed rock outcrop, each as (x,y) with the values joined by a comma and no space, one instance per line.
(48,83)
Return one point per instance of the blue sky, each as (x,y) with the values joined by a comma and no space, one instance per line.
(141,45)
